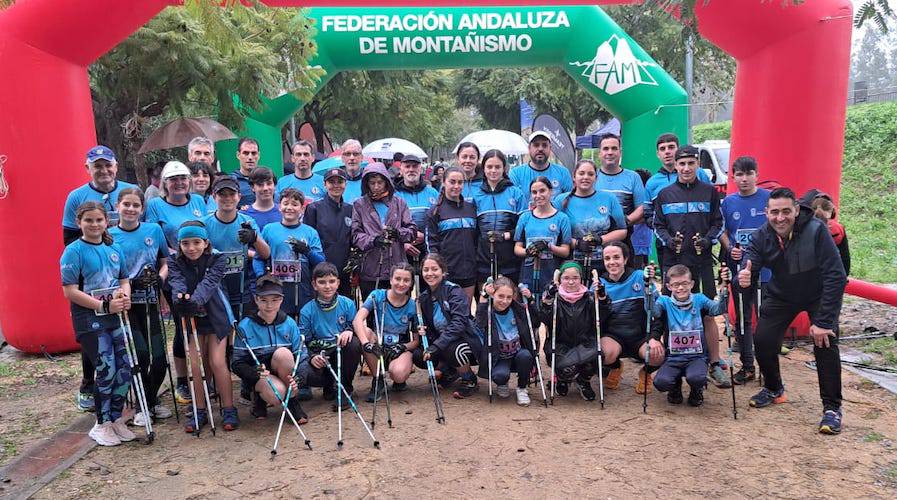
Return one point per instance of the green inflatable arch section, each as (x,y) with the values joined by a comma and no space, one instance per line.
(584,40)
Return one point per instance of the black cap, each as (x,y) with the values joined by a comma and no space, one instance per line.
(335,172)
(268,285)
(225,182)
(687,151)
(411,158)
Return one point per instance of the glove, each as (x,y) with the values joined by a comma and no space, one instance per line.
(495,236)
(147,279)
(391,233)
(599,287)
(394,351)
(382,241)
(537,248)
(677,242)
(702,244)
(246,234)
(587,243)
(299,247)
(186,307)
(372,348)
(552,290)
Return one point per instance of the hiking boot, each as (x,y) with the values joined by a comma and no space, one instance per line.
(719,377)
(399,387)
(522,396)
(503,391)
(297,411)
(305,394)
(696,397)
(104,434)
(766,397)
(259,406)
(124,434)
(585,390)
(84,402)
(561,388)
(674,397)
(744,376)
(230,419)
(182,394)
(466,389)
(613,378)
(831,422)
(195,423)
(644,382)
(379,387)
(784,351)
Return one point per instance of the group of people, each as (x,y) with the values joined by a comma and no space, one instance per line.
(280,280)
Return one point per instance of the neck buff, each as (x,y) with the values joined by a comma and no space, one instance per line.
(326,306)
(573,296)
(685,304)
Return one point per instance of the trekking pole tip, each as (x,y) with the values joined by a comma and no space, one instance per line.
(377,444)
(308,443)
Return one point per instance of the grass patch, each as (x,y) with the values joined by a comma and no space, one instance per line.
(873,437)
(886,347)
(868,186)
(7,369)
(8,448)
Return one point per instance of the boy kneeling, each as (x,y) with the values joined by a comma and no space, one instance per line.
(275,339)
(681,315)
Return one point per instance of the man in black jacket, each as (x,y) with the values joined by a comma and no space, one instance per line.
(807,275)
(332,219)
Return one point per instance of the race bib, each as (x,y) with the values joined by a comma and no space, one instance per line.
(103,294)
(686,342)
(508,348)
(234,262)
(743,236)
(286,270)
(143,297)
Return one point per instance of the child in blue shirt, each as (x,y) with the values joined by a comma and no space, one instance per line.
(95,281)
(681,317)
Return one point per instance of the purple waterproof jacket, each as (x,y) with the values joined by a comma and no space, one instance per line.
(366,226)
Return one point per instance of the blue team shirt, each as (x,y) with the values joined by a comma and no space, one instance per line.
(265,339)
(263,218)
(662,179)
(598,214)
(626,185)
(523,175)
(142,246)
(353,190)
(223,236)
(382,209)
(554,229)
(439,319)
(170,217)
(321,327)
(742,216)
(87,193)
(96,269)
(685,327)
(286,266)
(508,334)
(418,204)
(397,321)
(312,188)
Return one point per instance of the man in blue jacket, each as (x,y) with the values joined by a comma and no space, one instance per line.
(807,275)
(331,216)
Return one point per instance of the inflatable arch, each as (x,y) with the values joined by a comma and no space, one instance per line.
(796,134)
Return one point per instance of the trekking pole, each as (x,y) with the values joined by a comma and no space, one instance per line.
(174,398)
(649,313)
(532,333)
(595,282)
(139,388)
(381,367)
(493,262)
(283,400)
(339,398)
(202,375)
(554,334)
(188,361)
(759,294)
(537,279)
(431,373)
(351,403)
(724,296)
(489,308)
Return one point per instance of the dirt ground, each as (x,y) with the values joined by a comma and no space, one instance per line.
(572,449)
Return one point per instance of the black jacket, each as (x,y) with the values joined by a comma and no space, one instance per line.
(201,279)
(689,209)
(452,233)
(333,222)
(456,309)
(575,323)
(806,269)
(490,219)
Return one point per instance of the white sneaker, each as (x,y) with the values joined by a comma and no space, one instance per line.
(104,435)
(121,430)
(503,391)
(139,420)
(161,412)
(522,396)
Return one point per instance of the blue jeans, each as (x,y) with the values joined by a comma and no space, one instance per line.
(522,363)
(670,374)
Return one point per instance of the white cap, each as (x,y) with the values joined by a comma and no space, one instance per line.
(538,133)
(173,169)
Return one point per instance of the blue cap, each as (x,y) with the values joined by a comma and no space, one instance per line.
(100,153)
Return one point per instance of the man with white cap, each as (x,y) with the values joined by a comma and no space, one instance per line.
(540,152)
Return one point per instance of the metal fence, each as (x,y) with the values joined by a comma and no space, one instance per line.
(862,94)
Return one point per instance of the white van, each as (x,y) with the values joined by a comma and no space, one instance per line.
(715,161)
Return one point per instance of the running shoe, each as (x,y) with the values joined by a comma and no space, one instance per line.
(831,422)
(503,391)
(182,394)
(745,375)
(230,419)
(104,435)
(522,396)
(613,378)
(719,377)
(379,387)
(121,430)
(585,390)
(399,387)
(766,397)
(674,397)
(195,423)
(466,388)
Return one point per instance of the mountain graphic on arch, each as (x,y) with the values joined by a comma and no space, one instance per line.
(615,68)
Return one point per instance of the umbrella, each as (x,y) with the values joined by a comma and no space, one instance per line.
(509,143)
(180,132)
(386,148)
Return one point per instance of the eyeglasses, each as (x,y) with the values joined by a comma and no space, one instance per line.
(680,284)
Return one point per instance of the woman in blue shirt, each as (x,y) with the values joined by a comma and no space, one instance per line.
(542,236)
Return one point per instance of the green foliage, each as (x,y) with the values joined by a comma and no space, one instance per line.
(709,131)
(873,437)
(878,11)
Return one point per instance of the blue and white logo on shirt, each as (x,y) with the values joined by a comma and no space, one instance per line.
(348,221)
(432,200)
(737,215)
(602,210)
(148,241)
(555,183)
(113,257)
(553,227)
(197,212)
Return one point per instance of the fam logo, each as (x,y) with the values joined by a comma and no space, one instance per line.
(615,68)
